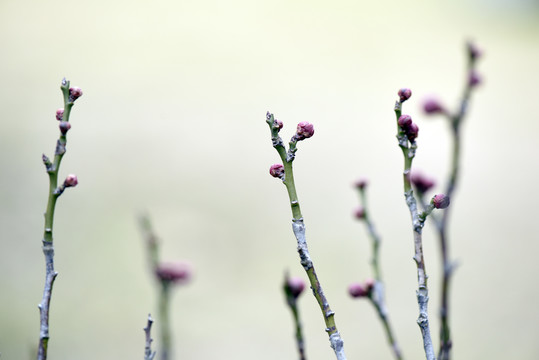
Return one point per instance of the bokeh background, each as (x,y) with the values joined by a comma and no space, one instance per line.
(172,122)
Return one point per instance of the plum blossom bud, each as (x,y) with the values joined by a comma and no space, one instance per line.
(64,127)
(412,131)
(404,94)
(278,124)
(71,180)
(174,272)
(295,285)
(357,290)
(440,201)
(421,182)
(404,121)
(305,130)
(473,51)
(433,106)
(360,213)
(59,114)
(361,183)
(74,93)
(474,79)
(277,171)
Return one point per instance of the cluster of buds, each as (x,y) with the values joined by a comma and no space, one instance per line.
(421,182)
(409,127)
(404,94)
(176,272)
(74,93)
(277,171)
(304,130)
(440,201)
(357,290)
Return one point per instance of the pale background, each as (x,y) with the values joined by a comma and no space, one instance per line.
(172,121)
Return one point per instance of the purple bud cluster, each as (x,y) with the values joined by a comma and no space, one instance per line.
(277,171)
(74,93)
(361,183)
(440,201)
(409,127)
(71,180)
(296,286)
(176,272)
(357,290)
(360,213)
(60,114)
(304,130)
(433,106)
(64,127)
(404,94)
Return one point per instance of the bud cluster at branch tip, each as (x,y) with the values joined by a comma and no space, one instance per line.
(361,183)
(295,286)
(305,130)
(440,201)
(74,93)
(358,290)
(71,180)
(409,127)
(404,94)
(173,272)
(277,171)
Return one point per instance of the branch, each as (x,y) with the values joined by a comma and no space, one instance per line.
(62,115)
(148,353)
(285,172)
(293,287)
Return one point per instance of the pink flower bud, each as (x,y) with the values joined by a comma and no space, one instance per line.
(296,286)
(59,114)
(357,290)
(71,180)
(440,201)
(359,213)
(474,79)
(404,121)
(421,182)
(473,51)
(278,124)
(277,171)
(412,131)
(174,272)
(361,183)
(433,106)
(74,93)
(404,94)
(305,130)
(64,127)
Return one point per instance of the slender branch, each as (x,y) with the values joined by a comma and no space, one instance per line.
(298,228)
(292,289)
(408,147)
(377,293)
(148,353)
(164,319)
(52,168)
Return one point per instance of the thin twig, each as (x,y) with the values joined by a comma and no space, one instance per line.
(377,294)
(52,168)
(292,289)
(148,353)
(298,227)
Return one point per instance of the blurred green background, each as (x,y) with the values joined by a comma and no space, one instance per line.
(172,121)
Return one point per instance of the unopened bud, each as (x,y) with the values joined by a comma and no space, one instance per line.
(474,79)
(412,131)
(59,114)
(305,130)
(277,171)
(295,285)
(473,51)
(71,180)
(278,124)
(176,272)
(359,213)
(361,183)
(404,121)
(421,182)
(357,290)
(433,106)
(64,127)
(74,93)
(404,94)
(440,201)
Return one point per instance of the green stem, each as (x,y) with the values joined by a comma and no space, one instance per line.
(164,307)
